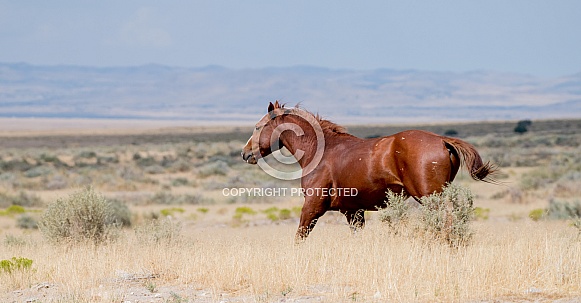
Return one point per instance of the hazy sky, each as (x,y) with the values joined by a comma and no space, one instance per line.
(536,37)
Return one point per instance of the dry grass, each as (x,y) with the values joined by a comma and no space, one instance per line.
(528,261)
(214,256)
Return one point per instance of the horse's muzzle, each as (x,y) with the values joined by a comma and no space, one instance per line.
(248,157)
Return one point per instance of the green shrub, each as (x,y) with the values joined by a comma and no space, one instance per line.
(179,182)
(11,240)
(237,218)
(9,179)
(203,210)
(522,126)
(219,168)
(151,215)
(15,165)
(564,210)
(129,174)
(564,167)
(296,210)
(154,169)
(87,154)
(149,285)
(17,272)
(171,211)
(38,171)
(143,162)
(49,158)
(26,221)
(179,165)
(537,214)
(499,195)
(13,210)
(481,213)
(537,178)
(285,214)
(272,217)
(107,159)
(272,213)
(245,210)
(166,198)
(451,133)
(269,210)
(84,216)
(176,298)
(15,264)
(121,213)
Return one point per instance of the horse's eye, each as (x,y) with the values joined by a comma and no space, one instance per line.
(257,128)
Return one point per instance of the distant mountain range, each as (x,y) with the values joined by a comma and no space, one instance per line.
(217,94)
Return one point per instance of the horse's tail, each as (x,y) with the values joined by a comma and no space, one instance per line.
(479,171)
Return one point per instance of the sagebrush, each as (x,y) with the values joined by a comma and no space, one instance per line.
(447,215)
(396,214)
(444,216)
(84,216)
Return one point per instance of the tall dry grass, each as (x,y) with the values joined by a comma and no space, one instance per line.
(523,260)
(213,262)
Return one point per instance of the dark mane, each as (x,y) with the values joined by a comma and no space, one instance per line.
(329,126)
(326,125)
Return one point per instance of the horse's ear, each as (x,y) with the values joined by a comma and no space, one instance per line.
(270,107)
(276,104)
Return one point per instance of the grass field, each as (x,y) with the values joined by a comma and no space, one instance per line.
(187,242)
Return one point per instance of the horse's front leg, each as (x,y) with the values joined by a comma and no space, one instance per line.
(313,209)
(356,219)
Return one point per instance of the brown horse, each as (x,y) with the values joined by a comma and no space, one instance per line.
(350,174)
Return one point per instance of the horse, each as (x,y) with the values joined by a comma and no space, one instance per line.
(351,174)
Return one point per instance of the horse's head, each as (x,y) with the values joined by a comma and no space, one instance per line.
(262,142)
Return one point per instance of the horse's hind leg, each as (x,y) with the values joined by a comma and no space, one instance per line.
(356,219)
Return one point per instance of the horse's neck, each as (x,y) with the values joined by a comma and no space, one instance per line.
(305,144)
(308,142)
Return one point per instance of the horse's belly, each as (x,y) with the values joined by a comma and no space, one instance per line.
(359,198)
